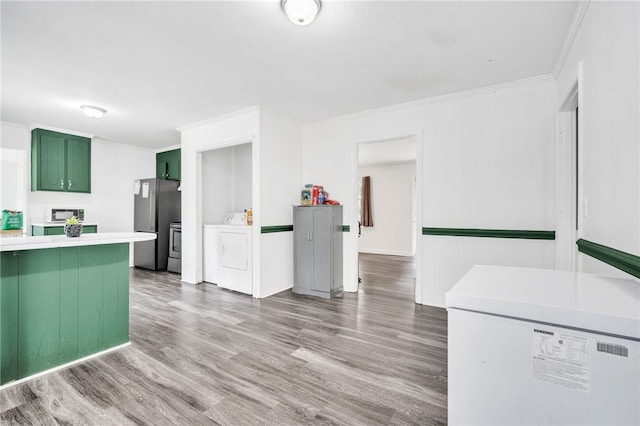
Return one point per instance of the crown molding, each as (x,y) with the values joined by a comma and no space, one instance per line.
(436,99)
(14,124)
(167,148)
(280,115)
(255,108)
(578,16)
(60,130)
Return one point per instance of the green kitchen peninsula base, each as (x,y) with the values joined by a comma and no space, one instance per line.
(59,305)
(40,230)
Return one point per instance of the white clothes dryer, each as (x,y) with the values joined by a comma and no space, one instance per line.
(228,254)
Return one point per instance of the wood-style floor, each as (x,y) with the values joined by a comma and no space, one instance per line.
(201,355)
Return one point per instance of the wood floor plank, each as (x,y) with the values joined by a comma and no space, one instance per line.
(201,355)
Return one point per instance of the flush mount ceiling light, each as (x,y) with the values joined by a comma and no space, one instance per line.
(301,12)
(93,111)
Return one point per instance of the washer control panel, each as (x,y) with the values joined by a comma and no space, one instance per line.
(239,218)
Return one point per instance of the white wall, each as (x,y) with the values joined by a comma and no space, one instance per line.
(275,170)
(114,167)
(232,129)
(607,45)
(280,177)
(13,178)
(392,197)
(113,170)
(15,159)
(226,182)
(216,184)
(242,195)
(485,160)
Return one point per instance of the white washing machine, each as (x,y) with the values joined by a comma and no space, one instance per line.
(228,254)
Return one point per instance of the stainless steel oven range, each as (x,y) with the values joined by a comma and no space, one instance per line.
(175,247)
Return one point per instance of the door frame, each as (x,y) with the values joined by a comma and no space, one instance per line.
(353,284)
(570,206)
(255,190)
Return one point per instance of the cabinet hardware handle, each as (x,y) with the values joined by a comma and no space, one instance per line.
(61,183)
(69,183)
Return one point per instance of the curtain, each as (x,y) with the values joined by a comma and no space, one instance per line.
(366,213)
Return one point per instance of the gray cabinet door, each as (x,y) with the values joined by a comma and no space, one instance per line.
(321,241)
(336,250)
(303,248)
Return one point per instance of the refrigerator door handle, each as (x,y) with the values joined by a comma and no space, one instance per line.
(151,212)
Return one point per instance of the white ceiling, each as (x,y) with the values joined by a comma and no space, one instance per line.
(156,65)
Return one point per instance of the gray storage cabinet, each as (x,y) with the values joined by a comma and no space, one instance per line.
(317,250)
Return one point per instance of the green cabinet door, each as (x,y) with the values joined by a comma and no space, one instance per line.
(78,164)
(90,300)
(48,162)
(37,231)
(38,311)
(115,295)
(162,165)
(60,162)
(174,165)
(89,229)
(168,165)
(54,230)
(9,315)
(69,303)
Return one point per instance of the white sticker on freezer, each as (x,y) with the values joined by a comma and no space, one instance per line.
(561,359)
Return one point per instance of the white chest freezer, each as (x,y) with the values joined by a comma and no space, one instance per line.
(541,347)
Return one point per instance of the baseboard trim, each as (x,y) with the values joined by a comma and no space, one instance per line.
(386,252)
(63,366)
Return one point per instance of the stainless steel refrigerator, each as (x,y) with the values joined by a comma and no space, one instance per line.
(156,205)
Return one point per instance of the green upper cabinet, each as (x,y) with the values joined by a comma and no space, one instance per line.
(79,165)
(168,165)
(60,162)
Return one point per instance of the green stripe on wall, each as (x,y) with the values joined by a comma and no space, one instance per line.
(626,262)
(277,228)
(491,233)
(287,228)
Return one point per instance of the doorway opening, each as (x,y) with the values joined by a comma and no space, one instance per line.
(226,200)
(386,250)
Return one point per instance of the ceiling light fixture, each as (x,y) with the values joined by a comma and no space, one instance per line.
(301,12)
(93,111)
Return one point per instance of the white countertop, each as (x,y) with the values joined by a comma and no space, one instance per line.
(587,301)
(53,241)
(53,224)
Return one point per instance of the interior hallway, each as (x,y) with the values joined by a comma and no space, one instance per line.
(201,355)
